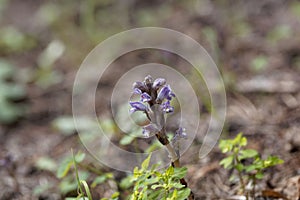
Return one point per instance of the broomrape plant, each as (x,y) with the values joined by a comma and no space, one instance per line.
(155,103)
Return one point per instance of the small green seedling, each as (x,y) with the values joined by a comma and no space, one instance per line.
(152,184)
(75,164)
(237,154)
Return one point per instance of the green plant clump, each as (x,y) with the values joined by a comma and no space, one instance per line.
(10,93)
(237,155)
(151,184)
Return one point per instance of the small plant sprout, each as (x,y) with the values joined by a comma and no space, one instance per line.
(155,103)
(236,157)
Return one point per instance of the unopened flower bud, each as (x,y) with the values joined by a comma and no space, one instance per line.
(139,85)
(148,81)
(158,83)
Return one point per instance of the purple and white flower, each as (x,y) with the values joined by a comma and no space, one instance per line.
(165,93)
(158,83)
(150,129)
(180,133)
(137,106)
(166,107)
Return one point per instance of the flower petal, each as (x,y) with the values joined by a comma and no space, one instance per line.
(137,106)
(137,91)
(165,93)
(145,97)
(166,107)
(158,83)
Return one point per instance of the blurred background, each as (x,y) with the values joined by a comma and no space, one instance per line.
(255,44)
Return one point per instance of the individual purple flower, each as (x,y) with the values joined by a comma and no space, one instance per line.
(165,93)
(145,97)
(158,83)
(166,107)
(180,133)
(149,129)
(137,106)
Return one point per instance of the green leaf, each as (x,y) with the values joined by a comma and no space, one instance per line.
(98,180)
(67,185)
(79,157)
(170,171)
(10,92)
(108,126)
(127,139)
(87,189)
(180,172)
(64,167)
(259,63)
(146,162)
(225,146)
(183,194)
(247,153)
(155,194)
(115,195)
(250,168)
(65,125)
(272,161)
(152,180)
(51,54)
(154,187)
(174,195)
(259,175)
(40,189)
(243,142)
(177,185)
(227,162)
(46,163)
(239,167)
(126,182)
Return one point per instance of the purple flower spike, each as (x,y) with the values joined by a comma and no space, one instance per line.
(148,129)
(158,83)
(145,97)
(167,108)
(137,106)
(165,93)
